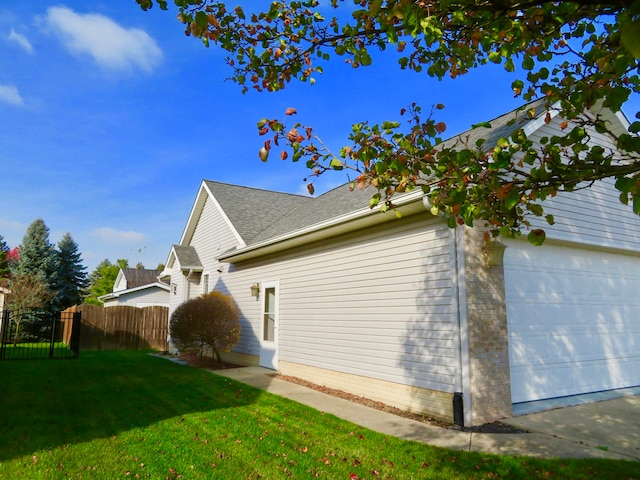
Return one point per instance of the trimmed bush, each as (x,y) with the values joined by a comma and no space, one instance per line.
(207,322)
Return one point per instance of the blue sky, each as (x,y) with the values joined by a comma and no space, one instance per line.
(110,118)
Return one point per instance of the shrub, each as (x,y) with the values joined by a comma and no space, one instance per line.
(210,320)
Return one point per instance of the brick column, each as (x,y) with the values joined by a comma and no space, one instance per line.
(488,339)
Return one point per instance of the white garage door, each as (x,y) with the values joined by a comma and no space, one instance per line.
(573,318)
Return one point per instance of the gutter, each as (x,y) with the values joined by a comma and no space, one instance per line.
(410,203)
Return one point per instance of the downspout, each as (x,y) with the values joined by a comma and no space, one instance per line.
(187,289)
(462,345)
(462,392)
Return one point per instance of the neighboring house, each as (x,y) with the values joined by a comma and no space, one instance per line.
(4,292)
(137,287)
(407,311)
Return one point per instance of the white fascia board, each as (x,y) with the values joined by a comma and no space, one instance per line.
(534,125)
(239,239)
(196,211)
(117,294)
(406,204)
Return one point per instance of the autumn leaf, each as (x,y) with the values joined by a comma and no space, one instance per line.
(290,111)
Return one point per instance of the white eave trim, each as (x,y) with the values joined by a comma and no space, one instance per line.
(109,296)
(407,204)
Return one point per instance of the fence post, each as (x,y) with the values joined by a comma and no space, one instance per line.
(52,342)
(74,343)
(4,326)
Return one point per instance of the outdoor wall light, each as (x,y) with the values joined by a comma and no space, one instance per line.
(255,290)
(493,252)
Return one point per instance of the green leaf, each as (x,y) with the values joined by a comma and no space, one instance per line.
(201,19)
(495,57)
(625,184)
(512,199)
(503,142)
(535,209)
(481,125)
(537,237)
(336,164)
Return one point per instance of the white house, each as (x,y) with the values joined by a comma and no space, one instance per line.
(137,287)
(407,311)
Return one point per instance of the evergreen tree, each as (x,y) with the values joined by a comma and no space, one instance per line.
(38,257)
(72,278)
(4,265)
(102,279)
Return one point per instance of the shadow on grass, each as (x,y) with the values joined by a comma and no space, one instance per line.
(46,404)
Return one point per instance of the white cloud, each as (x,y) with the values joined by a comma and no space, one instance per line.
(112,46)
(21,40)
(112,236)
(9,94)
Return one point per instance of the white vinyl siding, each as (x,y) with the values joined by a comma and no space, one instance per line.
(594,216)
(148,296)
(211,237)
(377,303)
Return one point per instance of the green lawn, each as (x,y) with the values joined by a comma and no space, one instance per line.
(26,351)
(126,414)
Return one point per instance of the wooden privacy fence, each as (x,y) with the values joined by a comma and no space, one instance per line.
(123,327)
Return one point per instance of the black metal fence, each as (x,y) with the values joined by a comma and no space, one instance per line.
(39,334)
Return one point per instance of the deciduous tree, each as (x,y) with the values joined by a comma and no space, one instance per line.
(101,280)
(578,57)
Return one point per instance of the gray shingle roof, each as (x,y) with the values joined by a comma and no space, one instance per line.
(187,256)
(252,210)
(138,277)
(331,204)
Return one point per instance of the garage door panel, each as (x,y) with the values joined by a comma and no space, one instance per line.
(574,320)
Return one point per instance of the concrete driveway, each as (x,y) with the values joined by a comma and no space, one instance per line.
(611,425)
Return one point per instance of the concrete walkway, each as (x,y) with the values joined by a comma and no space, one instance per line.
(609,429)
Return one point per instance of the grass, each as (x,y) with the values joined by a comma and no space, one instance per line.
(130,415)
(34,350)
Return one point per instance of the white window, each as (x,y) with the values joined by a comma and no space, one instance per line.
(205,283)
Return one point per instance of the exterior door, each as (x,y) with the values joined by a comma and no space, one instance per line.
(269,334)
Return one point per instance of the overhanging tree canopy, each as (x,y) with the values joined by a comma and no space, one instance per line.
(577,57)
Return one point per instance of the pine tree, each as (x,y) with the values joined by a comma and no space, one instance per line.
(71,277)
(38,257)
